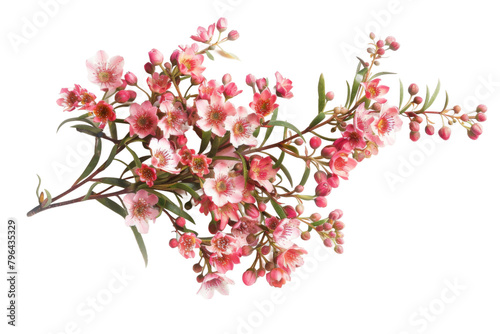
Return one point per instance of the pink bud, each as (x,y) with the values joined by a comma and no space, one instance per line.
(338,225)
(333,180)
(262,206)
(173,243)
(315,217)
(149,68)
(334,215)
(249,277)
(339,241)
(155,57)
(445,133)
(222,24)
(251,239)
(289,211)
(481,108)
(372,35)
(305,235)
(180,221)
(320,228)
(389,40)
(429,129)
(481,117)
(323,189)
(413,89)
(250,80)
(414,135)
(261,272)
(327,226)
(122,96)
(299,208)
(418,100)
(414,126)
(339,212)
(330,96)
(339,249)
(226,79)
(252,211)
(328,242)
(380,43)
(130,78)
(472,135)
(197,268)
(321,202)
(174,56)
(231,90)
(196,80)
(477,129)
(315,142)
(132,94)
(233,35)
(394,46)
(265,250)
(328,151)
(464,117)
(246,250)
(381,52)
(320,176)
(181,140)
(261,84)
(298,141)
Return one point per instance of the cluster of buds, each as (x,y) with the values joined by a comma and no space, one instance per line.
(201,149)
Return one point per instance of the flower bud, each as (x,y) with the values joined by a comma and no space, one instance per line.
(464,117)
(321,202)
(212,228)
(429,129)
(327,226)
(323,189)
(261,272)
(261,84)
(262,206)
(457,109)
(197,268)
(481,117)
(315,142)
(299,208)
(339,212)
(472,135)
(290,211)
(328,242)
(315,217)
(372,35)
(226,79)
(334,215)
(173,243)
(233,35)
(181,141)
(155,57)
(413,89)
(305,235)
(329,96)
(298,141)
(333,180)
(339,249)
(250,80)
(339,241)
(340,234)
(414,135)
(130,78)
(394,46)
(376,106)
(328,151)
(320,228)
(338,225)
(445,133)
(200,278)
(180,221)
(252,211)
(269,266)
(149,68)
(320,176)
(481,108)
(380,43)
(381,52)
(417,100)
(196,80)
(477,129)
(414,126)
(174,56)
(249,277)
(122,96)
(389,40)
(222,24)
(265,250)
(246,250)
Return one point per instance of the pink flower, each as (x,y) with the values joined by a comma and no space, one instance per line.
(146,174)
(341,164)
(283,87)
(214,281)
(264,104)
(206,205)
(204,35)
(243,228)
(188,242)
(70,99)
(224,213)
(206,90)
(223,262)
(242,126)
(186,155)
(222,244)
(106,74)
(231,90)
(87,100)
(286,231)
(103,113)
(175,120)
(159,83)
(199,164)
(261,170)
(142,119)
(224,188)
(140,207)
(163,156)
(155,57)
(384,126)
(277,277)
(214,115)
(354,138)
(190,63)
(373,91)
(291,258)
(248,194)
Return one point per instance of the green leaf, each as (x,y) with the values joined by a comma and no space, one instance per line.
(90,130)
(49,199)
(112,155)
(245,168)
(270,129)
(433,97)
(401,94)
(90,192)
(186,188)
(291,148)
(81,118)
(280,160)
(137,162)
(380,74)
(279,210)
(287,125)
(446,101)
(321,94)
(307,171)
(427,94)
(222,157)
(205,140)
(306,197)
(317,119)
(38,187)
(93,162)
(348,93)
(256,132)
(113,206)
(209,55)
(112,130)
(141,244)
(358,78)
(115,182)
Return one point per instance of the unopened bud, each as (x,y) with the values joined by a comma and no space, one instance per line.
(394,46)
(149,68)
(329,96)
(226,79)
(155,57)
(290,211)
(262,206)
(269,266)
(477,129)
(328,151)
(180,221)
(315,217)
(299,208)
(444,133)
(414,135)
(417,100)
(464,117)
(321,202)
(339,249)
(197,268)
(376,106)
(173,243)
(249,277)
(320,176)
(265,250)
(481,108)
(328,242)
(130,78)
(298,141)
(305,235)
(299,188)
(246,250)
(413,89)
(222,24)
(338,225)
(414,126)
(251,239)
(233,35)
(481,117)
(429,129)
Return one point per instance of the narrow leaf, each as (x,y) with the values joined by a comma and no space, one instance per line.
(90,192)
(401,94)
(137,162)
(307,171)
(280,160)
(48,200)
(446,101)
(209,55)
(113,206)
(115,182)
(205,140)
(245,168)
(270,129)
(279,210)
(82,118)
(185,187)
(380,74)
(321,94)
(434,95)
(141,244)
(93,162)
(287,125)
(317,119)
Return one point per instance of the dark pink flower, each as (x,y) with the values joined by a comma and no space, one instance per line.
(291,258)
(188,242)
(283,86)
(103,112)
(277,277)
(264,103)
(199,164)
(159,83)
(146,174)
(261,170)
(143,119)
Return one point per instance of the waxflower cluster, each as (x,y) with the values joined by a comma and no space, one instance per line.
(192,144)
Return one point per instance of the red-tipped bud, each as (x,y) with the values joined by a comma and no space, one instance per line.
(339,241)
(122,96)
(222,24)
(414,136)
(417,100)
(394,46)
(320,177)
(327,226)
(413,89)
(429,129)
(300,209)
(334,215)
(328,242)
(339,249)
(246,250)
(233,35)
(262,206)
(323,189)
(265,250)
(330,96)
(477,129)
(250,80)
(249,277)
(381,52)
(130,78)
(328,151)
(315,142)
(414,126)
(299,188)
(338,225)
(481,108)
(305,235)
(472,135)
(315,217)
(261,84)
(132,94)
(444,133)
(261,272)
(226,79)
(481,117)
(180,221)
(155,57)
(174,56)
(173,243)
(333,180)
(290,211)
(321,202)
(320,228)
(149,68)
(332,234)
(182,140)
(380,43)
(464,117)
(252,211)
(339,212)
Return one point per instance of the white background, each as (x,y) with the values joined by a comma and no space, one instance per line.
(405,244)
